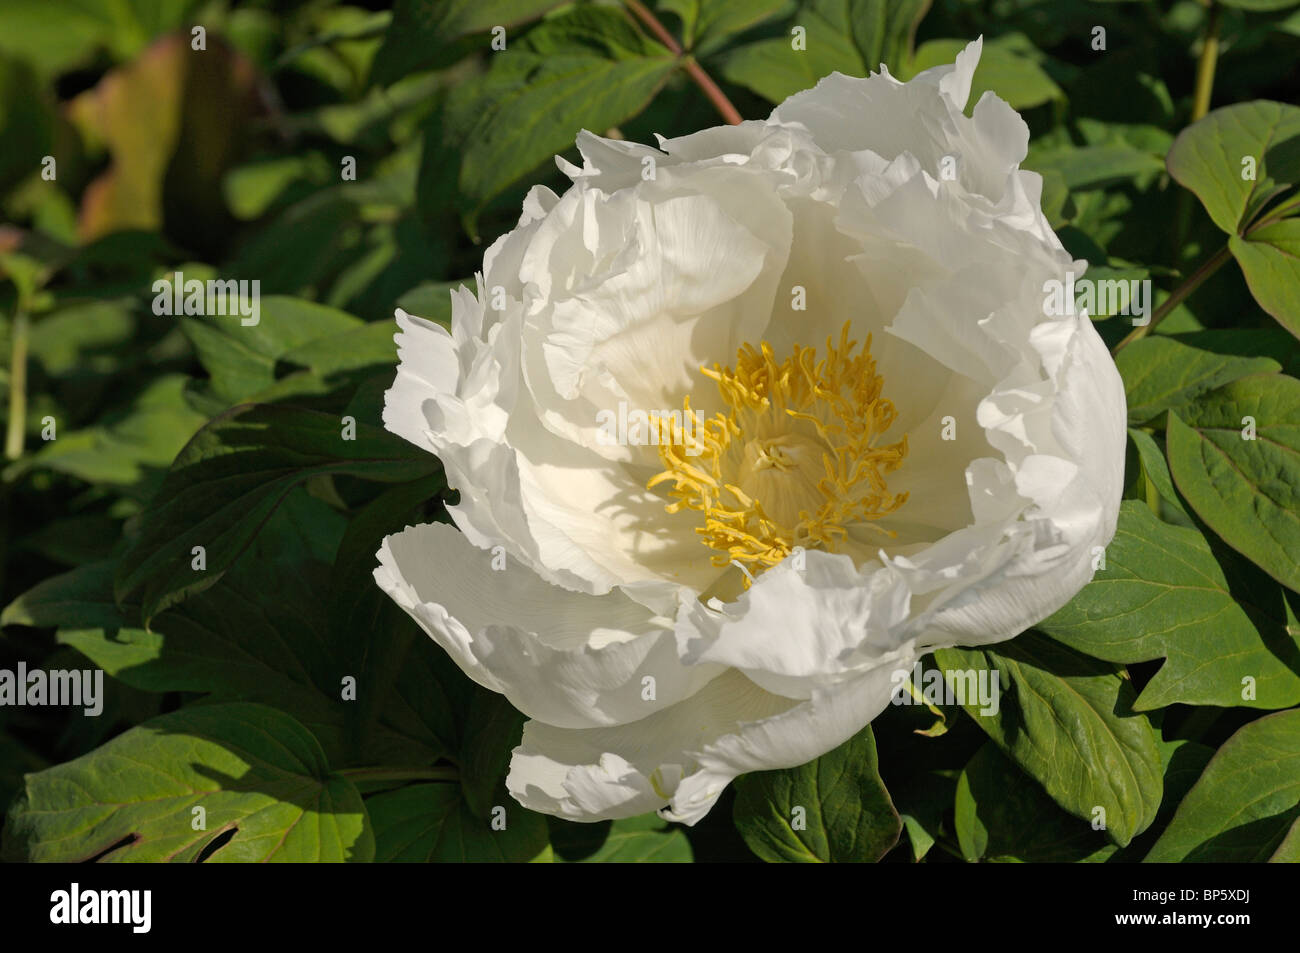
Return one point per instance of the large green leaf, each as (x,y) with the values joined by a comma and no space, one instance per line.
(847,36)
(1213,158)
(882,30)
(834,809)
(431,823)
(229,480)
(1163,595)
(585,69)
(775,71)
(1207,159)
(1163,374)
(428,33)
(1001,815)
(1270,259)
(405,682)
(1246,490)
(81,598)
(274,630)
(241,359)
(253,770)
(1244,805)
(708,24)
(239,641)
(370,345)
(492,729)
(1068,721)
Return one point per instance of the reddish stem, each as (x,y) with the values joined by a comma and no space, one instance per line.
(693,69)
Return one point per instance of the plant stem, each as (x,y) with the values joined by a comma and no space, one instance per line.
(1179,294)
(400,774)
(17,427)
(1282,210)
(1205,65)
(693,69)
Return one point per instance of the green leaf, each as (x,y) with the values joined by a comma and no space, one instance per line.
(1086,167)
(1246,490)
(1268,341)
(1162,594)
(1001,815)
(82,597)
(493,728)
(431,823)
(1156,468)
(1163,374)
(1288,852)
(58,35)
(26,119)
(922,799)
(84,338)
(251,189)
(647,839)
(429,33)
(405,682)
(708,24)
(1007,67)
(585,69)
(1269,257)
(241,359)
(882,30)
(1260,6)
(1068,721)
(369,345)
(776,71)
(128,449)
(848,36)
(254,771)
(1244,805)
(281,629)
(431,300)
(1207,158)
(229,480)
(834,809)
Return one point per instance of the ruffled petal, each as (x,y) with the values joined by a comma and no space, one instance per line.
(569,659)
(680,760)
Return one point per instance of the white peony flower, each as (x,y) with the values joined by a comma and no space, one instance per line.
(874,440)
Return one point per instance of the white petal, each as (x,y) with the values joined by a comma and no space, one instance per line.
(569,659)
(681,759)
(797,629)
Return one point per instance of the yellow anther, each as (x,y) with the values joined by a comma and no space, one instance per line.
(792,461)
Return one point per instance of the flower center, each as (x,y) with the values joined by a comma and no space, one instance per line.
(793,461)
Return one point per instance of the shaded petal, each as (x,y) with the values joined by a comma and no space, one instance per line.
(570,659)
(681,759)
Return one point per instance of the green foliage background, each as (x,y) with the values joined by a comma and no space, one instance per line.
(225,686)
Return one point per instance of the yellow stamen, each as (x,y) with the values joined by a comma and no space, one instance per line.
(793,460)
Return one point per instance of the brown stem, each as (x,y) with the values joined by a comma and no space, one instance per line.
(693,69)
